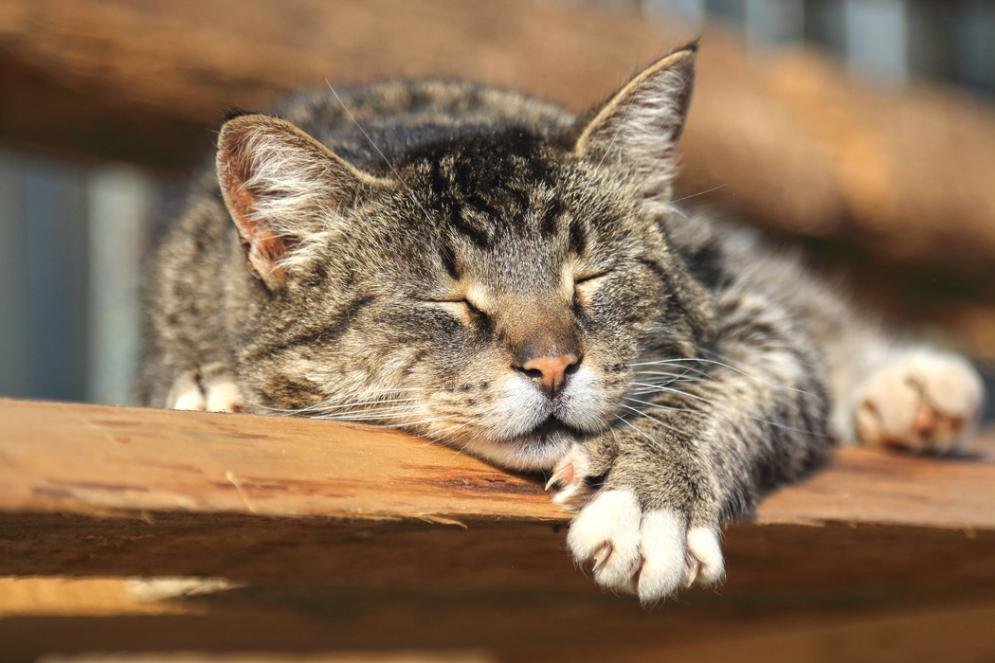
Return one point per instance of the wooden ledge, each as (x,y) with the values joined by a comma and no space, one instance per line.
(345,536)
(110,461)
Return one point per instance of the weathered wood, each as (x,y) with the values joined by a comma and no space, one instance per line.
(99,460)
(793,142)
(342,538)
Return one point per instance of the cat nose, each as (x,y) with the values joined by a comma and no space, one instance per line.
(551,371)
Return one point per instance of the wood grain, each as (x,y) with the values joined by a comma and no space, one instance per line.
(790,139)
(335,538)
(97,459)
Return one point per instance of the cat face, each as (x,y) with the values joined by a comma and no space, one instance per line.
(492,292)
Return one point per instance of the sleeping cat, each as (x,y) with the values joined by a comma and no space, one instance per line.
(489,271)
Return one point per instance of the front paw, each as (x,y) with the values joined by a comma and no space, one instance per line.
(647,552)
(208,390)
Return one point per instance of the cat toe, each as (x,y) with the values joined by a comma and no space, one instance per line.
(605,537)
(223,397)
(705,553)
(924,401)
(675,556)
(663,549)
(186,393)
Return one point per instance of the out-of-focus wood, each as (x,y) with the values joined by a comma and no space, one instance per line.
(321,537)
(794,143)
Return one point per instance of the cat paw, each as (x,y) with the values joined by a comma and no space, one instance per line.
(922,401)
(190,392)
(651,553)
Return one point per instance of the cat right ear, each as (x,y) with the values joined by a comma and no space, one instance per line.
(280,184)
(637,129)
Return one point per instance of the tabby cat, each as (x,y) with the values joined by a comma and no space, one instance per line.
(489,271)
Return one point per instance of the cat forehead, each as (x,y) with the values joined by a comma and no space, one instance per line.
(487,159)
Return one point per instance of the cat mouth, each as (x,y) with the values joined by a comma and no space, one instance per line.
(550,428)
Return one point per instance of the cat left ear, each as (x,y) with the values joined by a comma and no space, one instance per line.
(637,129)
(279,185)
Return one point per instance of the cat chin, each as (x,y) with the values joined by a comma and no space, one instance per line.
(529,453)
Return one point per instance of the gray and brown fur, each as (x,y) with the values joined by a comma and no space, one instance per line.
(396,253)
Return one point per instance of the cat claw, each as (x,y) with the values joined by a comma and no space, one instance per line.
(690,571)
(601,556)
(561,477)
(568,479)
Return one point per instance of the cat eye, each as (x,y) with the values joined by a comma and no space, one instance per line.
(587,278)
(462,302)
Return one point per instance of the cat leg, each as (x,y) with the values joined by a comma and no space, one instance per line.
(210,389)
(918,399)
(695,452)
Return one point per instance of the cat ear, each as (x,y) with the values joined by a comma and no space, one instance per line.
(280,184)
(637,129)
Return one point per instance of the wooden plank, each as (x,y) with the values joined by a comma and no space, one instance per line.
(146,460)
(792,141)
(333,537)
(315,497)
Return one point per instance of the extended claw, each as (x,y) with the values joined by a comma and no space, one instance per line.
(563,474)
(691,570)
(601,555)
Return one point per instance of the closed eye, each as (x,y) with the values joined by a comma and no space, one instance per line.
(585,285)
(462,300)
(460,307)
(587,278)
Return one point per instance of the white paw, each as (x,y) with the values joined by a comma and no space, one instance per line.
(650,554)
(215,395)
(186,393)
(923,400)
(223,396)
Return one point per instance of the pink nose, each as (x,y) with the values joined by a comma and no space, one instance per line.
(551,371)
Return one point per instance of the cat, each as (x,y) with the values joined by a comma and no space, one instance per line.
(489,271)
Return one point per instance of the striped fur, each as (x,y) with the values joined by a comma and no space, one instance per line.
(390,253)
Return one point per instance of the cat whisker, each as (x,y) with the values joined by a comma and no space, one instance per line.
(648,416)
(744,373)
(672,390)
(383,156)
(718,413)
(700,193)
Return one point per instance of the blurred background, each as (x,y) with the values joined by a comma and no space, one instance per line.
(863,130)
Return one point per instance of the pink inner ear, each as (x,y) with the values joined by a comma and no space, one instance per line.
(264,247)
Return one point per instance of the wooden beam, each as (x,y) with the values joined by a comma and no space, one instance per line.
(328,536)
(794,143)
(98,460)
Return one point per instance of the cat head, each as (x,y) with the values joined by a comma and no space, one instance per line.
(491,290)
